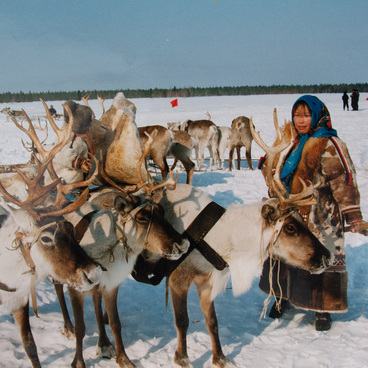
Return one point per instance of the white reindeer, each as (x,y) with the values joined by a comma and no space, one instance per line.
(206,135)
(224,134)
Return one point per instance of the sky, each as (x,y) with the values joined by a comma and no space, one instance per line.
(68,45)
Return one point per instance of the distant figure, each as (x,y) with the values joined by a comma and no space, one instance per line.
(345,101)
(52,110)
(354,99)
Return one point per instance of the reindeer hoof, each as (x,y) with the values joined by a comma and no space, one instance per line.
(223,363)
(125,362)
(181,362)
(69,334)
(107,351)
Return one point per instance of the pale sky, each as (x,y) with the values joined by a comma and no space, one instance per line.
(65,45)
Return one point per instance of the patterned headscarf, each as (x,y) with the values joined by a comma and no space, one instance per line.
(320,127)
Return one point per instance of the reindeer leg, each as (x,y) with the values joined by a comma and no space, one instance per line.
(68,329)
(21,317)
(249,157)
(77,301)
(208,308)
(182,154)
(110,299)
(231,156)
(179,296)
(189,168)
(238,154)
(199,164)
(174,164)
(162,165)
(104,347)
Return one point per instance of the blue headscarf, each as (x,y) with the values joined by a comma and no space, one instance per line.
(320,127)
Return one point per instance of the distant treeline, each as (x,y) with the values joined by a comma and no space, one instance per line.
(184,92)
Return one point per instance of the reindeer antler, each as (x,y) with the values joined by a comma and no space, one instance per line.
(101,101)
(30,146)
(273,181)
(36,190)
(85,99)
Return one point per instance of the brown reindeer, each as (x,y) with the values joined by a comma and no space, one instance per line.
(12,113)
(167,143)
(241,137)
(220,253)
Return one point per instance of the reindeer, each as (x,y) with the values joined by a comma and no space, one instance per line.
(206,135)
(12,113)
(167,143)
(273,226)
(224,134)
(115,240)
(37,243)
(241,137)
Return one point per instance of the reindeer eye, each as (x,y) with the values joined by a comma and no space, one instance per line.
(290,229)
(46,241)
(141,218)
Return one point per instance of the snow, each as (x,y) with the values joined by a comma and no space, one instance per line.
(148,328)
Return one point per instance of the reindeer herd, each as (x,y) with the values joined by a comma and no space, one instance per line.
(125,222)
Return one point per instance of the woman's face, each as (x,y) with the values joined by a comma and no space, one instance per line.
(302,119)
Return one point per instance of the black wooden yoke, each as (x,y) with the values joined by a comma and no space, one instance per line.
(195,233)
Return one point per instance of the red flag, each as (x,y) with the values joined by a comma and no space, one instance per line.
(174,103)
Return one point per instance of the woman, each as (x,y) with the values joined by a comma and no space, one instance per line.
(318,154)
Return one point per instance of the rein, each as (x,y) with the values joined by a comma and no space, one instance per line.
(269,249)
(131,215)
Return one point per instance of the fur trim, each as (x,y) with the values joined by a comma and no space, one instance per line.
(308,166)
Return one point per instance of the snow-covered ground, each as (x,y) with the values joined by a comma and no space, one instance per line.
(148,329)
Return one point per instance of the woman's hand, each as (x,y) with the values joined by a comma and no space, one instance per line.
(358,226)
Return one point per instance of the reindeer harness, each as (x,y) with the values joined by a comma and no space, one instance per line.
(195,233)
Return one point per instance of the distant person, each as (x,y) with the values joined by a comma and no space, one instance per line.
(354,99)
(345,101)
(52,110)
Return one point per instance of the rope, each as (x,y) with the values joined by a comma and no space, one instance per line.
(270,248)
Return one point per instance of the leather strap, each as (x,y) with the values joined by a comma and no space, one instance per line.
(82,226)
(195,233)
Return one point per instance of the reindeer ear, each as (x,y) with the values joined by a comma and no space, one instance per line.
(23,219)
(125,204)
(270,212)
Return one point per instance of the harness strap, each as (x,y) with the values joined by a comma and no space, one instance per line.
(200,227)
(195,233)
(27,257)
(82,226)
